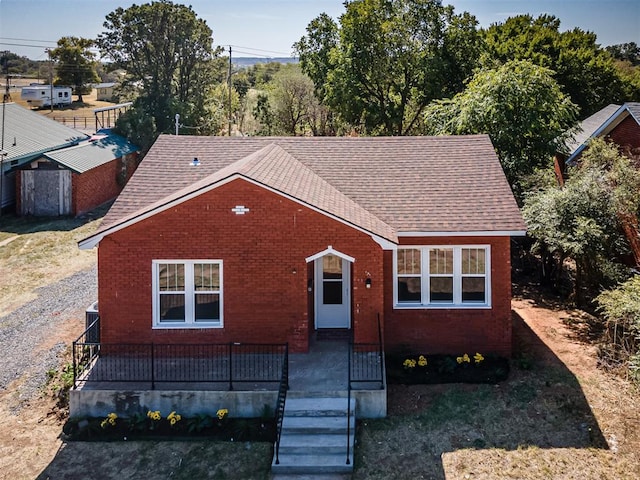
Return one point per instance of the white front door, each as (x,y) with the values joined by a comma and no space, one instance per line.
(332,292)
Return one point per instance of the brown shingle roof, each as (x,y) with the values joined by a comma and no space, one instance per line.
(381,184)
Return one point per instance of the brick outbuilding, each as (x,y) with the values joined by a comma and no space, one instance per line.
(74,180)
(270,239)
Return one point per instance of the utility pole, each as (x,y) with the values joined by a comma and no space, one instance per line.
(229,81)
(48,50)
(2,152)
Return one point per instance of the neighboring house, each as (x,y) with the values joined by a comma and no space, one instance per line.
(74,180)
(615,123)
(219,239)
(104,91)
(619,125)
(26,136)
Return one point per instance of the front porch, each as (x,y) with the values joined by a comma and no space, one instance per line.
(200,379)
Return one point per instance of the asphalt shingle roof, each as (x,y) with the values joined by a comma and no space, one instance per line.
(381,184)
(34,134)
(590,125)
(88,155)
(601,123)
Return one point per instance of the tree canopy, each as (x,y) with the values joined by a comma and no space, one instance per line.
(388,59)
(167,53)
(519,105)
(585,71)
(76,65)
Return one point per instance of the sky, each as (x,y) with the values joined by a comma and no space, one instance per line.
(268,28)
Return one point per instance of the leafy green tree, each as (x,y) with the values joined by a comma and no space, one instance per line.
(388,59)
(291,99)
(581,221)
(628,52)
(585,71)
(519,105)
(167,53)
(76,65)
(263,113)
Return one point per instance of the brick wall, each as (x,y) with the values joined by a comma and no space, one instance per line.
(264,268)
(101,184)
(455,331)
(627,133)
(264,300)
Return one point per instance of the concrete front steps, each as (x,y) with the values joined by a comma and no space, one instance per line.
(314,437)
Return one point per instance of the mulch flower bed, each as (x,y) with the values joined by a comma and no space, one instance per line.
(434,369)
(154,426)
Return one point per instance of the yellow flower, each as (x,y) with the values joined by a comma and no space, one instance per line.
(465,358)
(409,363)
(222,413)
(459,359)
(478,357)
(110,420)
(422,361)
(174,418)
(154,415)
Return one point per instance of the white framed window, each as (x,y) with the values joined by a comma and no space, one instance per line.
(187,294)
(442,276)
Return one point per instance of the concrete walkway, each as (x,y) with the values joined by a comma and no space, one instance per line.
(323,369)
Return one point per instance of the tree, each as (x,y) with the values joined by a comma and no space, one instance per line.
(388,59)
(76,64)
(584,70)
(581,220)
(627,52)
(168,55)
(519,105)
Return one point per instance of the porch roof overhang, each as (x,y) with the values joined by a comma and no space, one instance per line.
(330,251)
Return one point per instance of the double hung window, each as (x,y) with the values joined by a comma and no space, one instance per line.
(187,293)
(442,276)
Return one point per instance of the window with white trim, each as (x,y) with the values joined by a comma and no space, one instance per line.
(442,276)
(187,293)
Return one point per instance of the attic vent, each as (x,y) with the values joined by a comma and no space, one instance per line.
(239,209)
(195,162)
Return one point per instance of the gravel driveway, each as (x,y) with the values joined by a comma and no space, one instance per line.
(22,331)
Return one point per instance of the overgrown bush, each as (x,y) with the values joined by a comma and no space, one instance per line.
(620,308)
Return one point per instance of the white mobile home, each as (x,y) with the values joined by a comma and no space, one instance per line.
(40,95)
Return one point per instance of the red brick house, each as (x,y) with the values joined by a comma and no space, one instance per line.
(619,125)
(219,239)
(76,179)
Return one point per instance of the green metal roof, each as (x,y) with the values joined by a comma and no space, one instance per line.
(28,135)
(88,155)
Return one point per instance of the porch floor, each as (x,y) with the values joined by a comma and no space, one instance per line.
(323,369)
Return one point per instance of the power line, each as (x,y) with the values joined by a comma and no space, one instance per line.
(261,50)
(27,40)
(23,45)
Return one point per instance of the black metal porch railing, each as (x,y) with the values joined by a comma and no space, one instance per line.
(85,350)
(280,403)
(365,365)
(225,364)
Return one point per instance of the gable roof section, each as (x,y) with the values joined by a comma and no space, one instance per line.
(601,124)
(275,169)
(34,134)
(409,185)
(89,155)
